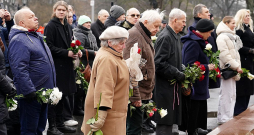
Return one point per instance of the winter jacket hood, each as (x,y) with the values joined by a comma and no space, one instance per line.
(223,28)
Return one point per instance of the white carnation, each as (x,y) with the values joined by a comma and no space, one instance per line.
(208,47)
(78,82)
(14,106)
(154,38)
(43,93)
(55,96)
(163,113)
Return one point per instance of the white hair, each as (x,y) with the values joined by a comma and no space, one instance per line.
(151,16)
(114,41)
(176,13)
(102,11)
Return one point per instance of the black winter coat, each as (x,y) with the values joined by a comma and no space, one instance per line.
(244,86)
(168,61)
(5,88)
(97,28)
(110,22)
(81,33)
(58,38)
(212,41)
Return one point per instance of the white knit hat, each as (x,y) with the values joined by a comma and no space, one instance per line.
(114,32)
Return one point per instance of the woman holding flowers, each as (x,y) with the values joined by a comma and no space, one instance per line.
(110,79)
(195,105)
(228,44)
(244,87)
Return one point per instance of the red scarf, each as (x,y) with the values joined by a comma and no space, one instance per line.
(197,34)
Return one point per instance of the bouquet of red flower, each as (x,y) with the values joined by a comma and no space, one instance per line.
(213,74)
(75,46)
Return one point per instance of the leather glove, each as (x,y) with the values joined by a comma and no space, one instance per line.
(13,92)
(31,96)
(100,122)
(180,77)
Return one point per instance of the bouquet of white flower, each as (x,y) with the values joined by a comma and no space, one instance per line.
(55,96)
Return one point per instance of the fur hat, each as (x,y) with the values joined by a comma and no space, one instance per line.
(114,32)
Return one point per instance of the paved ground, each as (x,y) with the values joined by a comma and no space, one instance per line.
(212,113)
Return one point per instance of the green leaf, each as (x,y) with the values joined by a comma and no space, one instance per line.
(186,81)
(90,121)
(185,85)
(99,132)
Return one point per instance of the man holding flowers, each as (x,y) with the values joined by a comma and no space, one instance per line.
(32,68)
(168,66)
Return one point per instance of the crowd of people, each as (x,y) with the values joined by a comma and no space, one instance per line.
(30,61)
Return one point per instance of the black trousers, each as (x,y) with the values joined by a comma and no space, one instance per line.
(68,107)
(194,115)
(164,129)
(55,113)
(79,99)
(241,104)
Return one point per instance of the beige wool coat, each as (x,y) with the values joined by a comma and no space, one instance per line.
(110,76)
(226,42)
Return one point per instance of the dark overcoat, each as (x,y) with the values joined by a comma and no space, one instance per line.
(245,87)
(168,61)
(58,38)
(212,41)
(97,28)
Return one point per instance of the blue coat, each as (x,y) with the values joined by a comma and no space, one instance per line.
(212,41)
(30,61)
(193,50)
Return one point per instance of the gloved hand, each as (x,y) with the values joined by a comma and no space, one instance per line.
(100,122)
(12,93)
(31,96)
(180,77)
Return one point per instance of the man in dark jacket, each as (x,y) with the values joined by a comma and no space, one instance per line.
(32,68)
(168,66)
(98,26)
(117,13)
(132,17)
(200,11)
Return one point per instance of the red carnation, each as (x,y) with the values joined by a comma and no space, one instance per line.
(202,78)
(78,43)
(218,76)
(150,114)
(217,69)
(202,67)
(139,50)
(154,109)
(197,63)
(73,45)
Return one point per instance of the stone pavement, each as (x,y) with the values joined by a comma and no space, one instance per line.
(212,113)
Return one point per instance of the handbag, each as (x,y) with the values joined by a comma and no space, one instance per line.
(186,92)
(88,69)
(228,73)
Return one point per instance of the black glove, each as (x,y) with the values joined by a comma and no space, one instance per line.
(31,96)
(180,77)
(251,51)
(13,93)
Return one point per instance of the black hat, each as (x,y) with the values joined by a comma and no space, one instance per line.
(204,25)
(164,21)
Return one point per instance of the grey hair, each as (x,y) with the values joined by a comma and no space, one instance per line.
(152,15)
(114,41)
(101,12)
(176,13)
(198,9)
(19,15)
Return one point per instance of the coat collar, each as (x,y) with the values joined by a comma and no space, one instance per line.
(117,54)
(61,28)
(147,39)
(172,32)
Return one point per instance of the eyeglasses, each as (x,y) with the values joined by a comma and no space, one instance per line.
(133,15)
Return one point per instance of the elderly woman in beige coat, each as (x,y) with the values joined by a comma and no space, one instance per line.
(110,76)
(228,44)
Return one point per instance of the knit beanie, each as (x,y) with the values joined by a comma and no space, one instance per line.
(204,25)
(83,19)
(116,11)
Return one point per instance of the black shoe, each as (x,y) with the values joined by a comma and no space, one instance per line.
(54,131)
(147,129)
(78,113)
(200,131)
(151,125)
(66,129)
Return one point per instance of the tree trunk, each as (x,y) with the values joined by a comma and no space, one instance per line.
(250,6)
